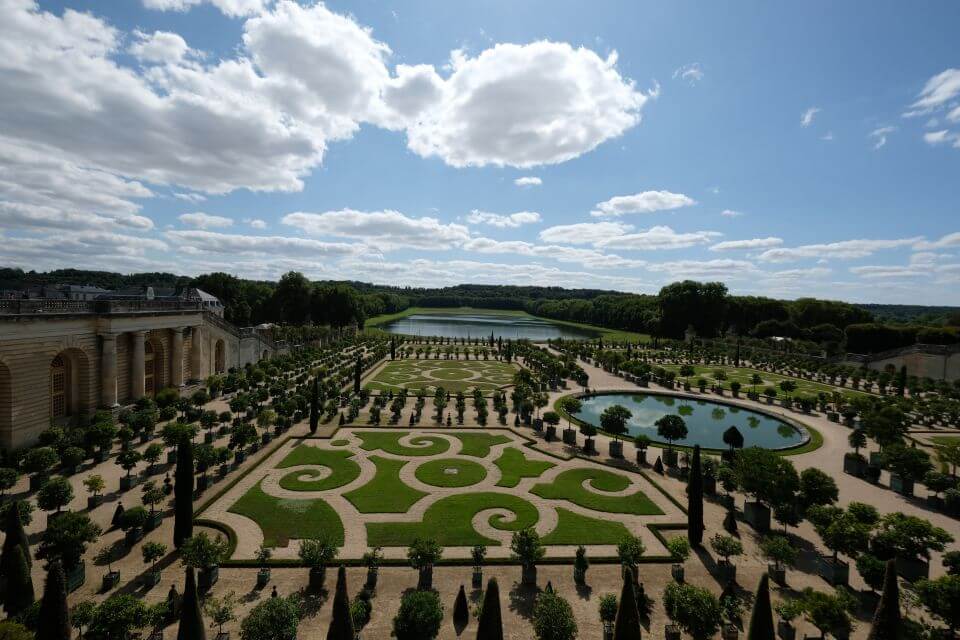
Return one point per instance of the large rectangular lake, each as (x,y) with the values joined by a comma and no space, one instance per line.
(481,325)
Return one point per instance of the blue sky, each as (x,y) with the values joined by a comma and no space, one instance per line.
(785,149)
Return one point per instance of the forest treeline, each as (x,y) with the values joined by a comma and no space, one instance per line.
(708,308)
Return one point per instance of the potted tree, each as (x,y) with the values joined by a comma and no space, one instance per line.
(152,456)
(152,551)
(854,463)
(630,550)
(769,479)
(66,539)
(38,463)
(127,460)
(477,554)
(782,553)
(641,442)
(580,566)
(907,466)
(94,485)
(371,560)
(132,522)
(204,554)
(829,612)
(527,548)
(263,573)
(608,613)
(679,548)
(727,547)
(910,540)
(70,459)
(152,496)
(221,611)
(570,406)
(671,427)
(317,553)
(552,419)
(787,610)
(422,554)
(613,420)
(54,495)
(691,609)
(846,532)
(111,578)
(589,432)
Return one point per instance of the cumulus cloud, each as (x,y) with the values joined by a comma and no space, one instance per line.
(511,221)
(233,8)
(691,73)
(202,220)
(643,202)
(949,240)
(660,237)
(256,223)
(587,257)
(806,118)
(584,232)
(528,181)
(890,271)
(526,105)
(190,197)
(384,229)
(721,268)
(161,47)
(200,242)
(844,250)
(754,243)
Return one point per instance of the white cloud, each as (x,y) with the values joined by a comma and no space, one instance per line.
(232,8)
(656,238)
(643,202)
(511,221)
(384,229)
(890,271)
(878,136)
(256,223)
(940,137)
(528,181)
(584,232)
(524,106)
(720,268)
(190,197)
(949,240)
(586,257)
(202,220)
(806,118)
(755,243)
(200,242)
(161,47)
(797,274)
(939,90)
(691,73)
(844,250)
(730,213)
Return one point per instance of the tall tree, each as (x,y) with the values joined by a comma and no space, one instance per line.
(761,618)
(357,372)
(627,625)
(18,594)
(695,501)
(315,406)
(292,298)
(341,623)
(183,493)
(53,623)
(191,620)
(490,625)
(886,619)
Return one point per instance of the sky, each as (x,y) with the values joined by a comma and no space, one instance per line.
(786,149)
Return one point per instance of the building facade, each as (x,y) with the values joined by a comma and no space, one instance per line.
(63,359)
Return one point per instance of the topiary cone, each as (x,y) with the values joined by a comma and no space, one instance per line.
(761,618)
(461,612)
(53,623)
(341,622)
(183,494)
(695,501)
(490,625)
(627,625)
(191,621)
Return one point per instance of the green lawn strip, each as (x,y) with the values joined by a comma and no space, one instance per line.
(340,443)
(573,528)
(344,469)
(385,493)
(568,486)
(942,440)
(514,466)
(436,473)
(478,445)
(390,443)
(281,519)
(743,375)
(449,521)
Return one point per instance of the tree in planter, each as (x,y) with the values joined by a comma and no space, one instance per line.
(693,609)
(272,619)
(841,531)
(39,461)
(152,496)
(780,551)
(607,608)
(551,418)
(909,463)
(317,553)
(553,618)
(94,485)
(153,551)
(570,406)
(614,419)
(679,548)
(580,566)
(221,611)
(8,480)
(886,425)
(908,537)
(133,520)
(769,478)
(588,431)
(55,494)
(18,588)
(951,562)
(478,554)
(81,614)
(202,552)
(857,440)
(527,548)
(630,550)
(671,428)
(422,554)
(116,617)
(816,488)
(341,622)
(942,598)
(761,618)
(183,494)
(128,459)
(66,539)
(727,547)
(419,616)
(938,482)
(53,622)
(829,613)
(152,455)
(695,526)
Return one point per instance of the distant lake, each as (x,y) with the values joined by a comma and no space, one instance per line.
(481,325)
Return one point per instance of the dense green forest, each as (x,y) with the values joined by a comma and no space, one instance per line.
(706,307)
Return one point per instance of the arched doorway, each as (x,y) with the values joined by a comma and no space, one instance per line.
(219,357)
(60,392)
(6,405)
(68,388)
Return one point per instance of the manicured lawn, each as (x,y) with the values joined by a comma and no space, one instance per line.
(450,472)
(282,519)
(452,375)
(944,439)
(385,493)
(568,485)
(744,374)
(389,441)
(514,466)
(345,470)
(449,521)
(478,444)
(573,528)
(340,443)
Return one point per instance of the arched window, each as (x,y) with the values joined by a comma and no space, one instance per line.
(219,358)
(149,369)
(59,385)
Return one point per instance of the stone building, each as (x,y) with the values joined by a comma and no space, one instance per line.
(62,359)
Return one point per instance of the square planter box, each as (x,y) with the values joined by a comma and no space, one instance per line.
(872,474)
(642,457)
(836,573)
(133,536)
(207,578)
(589,446)
(172,457)
(153,521)
(727,571)
(425,579)
(709,486)
(677,572)
(265,437)
(528,576)
(912,569)
(145,438)
(935,502)
(777,575)
(263,577)
(570,436)
(208,437)
(101,456)
(317,577)
(876,459)
(551,434)
(128,482)
(786,631)
(616,449)
(76,576)
(152,579)
(757,515)
(110,580)
(670,457)
(729,632)
(202,483)
(854,465)
(94,501)
(901,485)
(476,578)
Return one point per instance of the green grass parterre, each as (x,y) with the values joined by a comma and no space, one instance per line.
(452,375)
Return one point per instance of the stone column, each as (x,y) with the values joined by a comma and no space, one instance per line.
(196,354)
(136,365)
(176,358)
(108,371)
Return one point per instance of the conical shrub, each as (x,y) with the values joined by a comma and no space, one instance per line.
(490,625)
(695,501)
(761,618)
(461,611)
(627,625)
(191,621)
(183,494)
(54,620)
(18,594)
(341,622)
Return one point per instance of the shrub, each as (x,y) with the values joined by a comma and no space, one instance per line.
(66,539)
(202,552)
(553,618)
(419,616)
(693,609)
(116,617)
(272,619)
(55,494)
